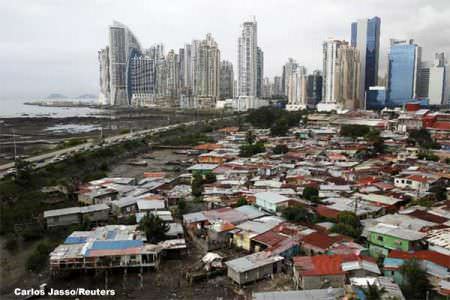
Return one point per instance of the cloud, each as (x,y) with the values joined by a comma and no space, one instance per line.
(51,45)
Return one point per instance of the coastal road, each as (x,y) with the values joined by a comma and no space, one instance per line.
(48,158)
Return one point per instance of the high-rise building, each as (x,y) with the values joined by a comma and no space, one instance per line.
(376,97)
(297,98)
(404,59)
(226,80)
(259,71)
(142,80)
(267,90)
(330,55)
(314,89)
(423,79)
(365,37)
(438,83)
(288,69)
(247,60)
(207,69)
(103,59)
(155,52)
(123,45)
(277,86)
(172,76)
(346,78)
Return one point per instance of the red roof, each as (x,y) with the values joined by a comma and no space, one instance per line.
(327,212)
(418,178)
(270,238)
(321,240)
(435,257)
(207,146)
(367,180)
(319,265)
(423,215)
(440,125)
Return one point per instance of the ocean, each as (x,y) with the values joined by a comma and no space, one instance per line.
(11,108)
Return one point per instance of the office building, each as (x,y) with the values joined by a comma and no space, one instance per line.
(277,86)
(365,36)
(247,60)
(267,90)
(226,80)
(423,79)
(403,60)
(330,54)
(314,89)
(142,80)
(104,83)
(259,71)
(376,97)
(346,78)
(123,45)
(438,81)
(288,69)
(297,89)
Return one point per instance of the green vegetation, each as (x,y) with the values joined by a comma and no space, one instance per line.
(71,143)
(415,280)
(354,131)
(37,261)
(197,185)
(310,194)
(266,117)
(422,138)
(241,202)
(11,243)
(155,229)
(370,134)
(280,127)
(21,199)
(348,224)
(427,155)
(297,213)
(373,292)
(249,150)
(280,149)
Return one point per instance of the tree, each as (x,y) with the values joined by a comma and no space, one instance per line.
(154,227)
(373,292)
(210,178)
(415,280)
(38,259)
(280,128)
(347,224)
(354,131)
(242,201)
(250,137)
(373,137)
(349,218)
(297,213)
(197,185)
(250,150)
(24,171)
(280,149)
(310,193)
(422,138)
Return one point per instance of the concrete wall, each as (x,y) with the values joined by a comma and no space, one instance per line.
(63,220)
(319,282)
(253,275)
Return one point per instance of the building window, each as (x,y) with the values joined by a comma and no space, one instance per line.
(380,238)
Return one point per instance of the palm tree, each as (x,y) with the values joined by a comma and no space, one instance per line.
(373,292)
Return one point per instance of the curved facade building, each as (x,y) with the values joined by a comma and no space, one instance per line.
(123,45)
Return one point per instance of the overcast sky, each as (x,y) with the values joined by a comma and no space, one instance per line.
(50,46)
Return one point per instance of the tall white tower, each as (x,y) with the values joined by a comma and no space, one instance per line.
(247,59)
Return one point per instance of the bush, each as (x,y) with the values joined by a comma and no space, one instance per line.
(297,214)
(242,201)
(38,259)
(11,244)
(280,149)
(31,234)
(280,128)
(310,193)
(249,150)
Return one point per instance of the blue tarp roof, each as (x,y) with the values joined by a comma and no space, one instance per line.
(116,245)
(75,240)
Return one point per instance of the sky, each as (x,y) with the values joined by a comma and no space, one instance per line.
(50,46)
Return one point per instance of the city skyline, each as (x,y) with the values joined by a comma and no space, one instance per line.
(70,60)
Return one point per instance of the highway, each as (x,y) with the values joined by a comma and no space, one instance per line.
(52,157)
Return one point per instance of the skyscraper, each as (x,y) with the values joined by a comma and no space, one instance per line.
(365,37)
(404,59)
(346,78)
(259,71)
(438,83)
(207,69)
(142,80)
(247,60)
(288,69)
(103,59)
(314,89)
(330,54)
(123,45)
(277,86)
(297,89)
(226,80)
(423,79)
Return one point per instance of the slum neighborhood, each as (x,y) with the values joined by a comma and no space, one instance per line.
(324,209)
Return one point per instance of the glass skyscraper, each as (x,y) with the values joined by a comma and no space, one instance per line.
(404,57)
(365,37)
